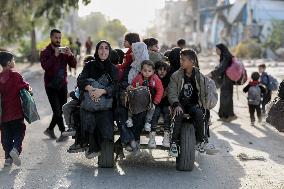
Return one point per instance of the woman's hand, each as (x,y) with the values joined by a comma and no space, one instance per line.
(130,87)
(178,110)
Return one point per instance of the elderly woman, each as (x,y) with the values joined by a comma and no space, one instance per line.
(98,124)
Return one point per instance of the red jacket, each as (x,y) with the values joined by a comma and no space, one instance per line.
(154,84)
(11,82)
(127,61)
(53,65)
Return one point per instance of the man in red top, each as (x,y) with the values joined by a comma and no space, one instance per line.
(89,46)
(54,60)
(12,119)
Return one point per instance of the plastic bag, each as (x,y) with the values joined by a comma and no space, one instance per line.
(28,106)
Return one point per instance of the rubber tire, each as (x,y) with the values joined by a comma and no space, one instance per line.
(185,160)
(106,159)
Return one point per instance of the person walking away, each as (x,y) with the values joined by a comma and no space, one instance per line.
(12,124)
(264,79)
(255,90)
(89,46)
(226,110)
(72,47)
(54,61)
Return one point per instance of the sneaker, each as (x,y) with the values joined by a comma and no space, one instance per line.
(70,132)
(129,123)
(174,150)
(231,118)
(75,148)
(152,141)
(200,147)
(15,156)
(166,139)
(147,127)
(62,138)
(49,133)
(252,123)
(210,149)
(91,155)
(8,162)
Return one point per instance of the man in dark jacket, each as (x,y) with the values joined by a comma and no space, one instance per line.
(54,60)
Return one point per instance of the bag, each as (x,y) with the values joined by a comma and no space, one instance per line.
(281,90)
(276,115)
(139,99)
(235,71)
(28,106)
(243,79)
(104,102)
(254,95)
(212,95)
(272,83)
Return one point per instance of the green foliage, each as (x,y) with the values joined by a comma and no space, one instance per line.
(42,44)
(276,39)
(248,49)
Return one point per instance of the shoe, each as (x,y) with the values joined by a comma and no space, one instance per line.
(62,138)
(91,155)
(166,139)
(70,132)
(49,133)
(152,141)
(8,162)
(173,150)
(135,147)
(147,127)
(252,123)
(260,120)
(231,118)
(200,147)
(210,149)
(15,156)
(129,123)
(128,148)
(75,148)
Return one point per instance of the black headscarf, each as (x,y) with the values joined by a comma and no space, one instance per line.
(103,66)
(174,59)
(225,53)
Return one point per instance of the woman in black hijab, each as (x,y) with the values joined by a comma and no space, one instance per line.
(226,111)
(98,125)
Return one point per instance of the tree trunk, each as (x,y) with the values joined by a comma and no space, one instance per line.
(34,55)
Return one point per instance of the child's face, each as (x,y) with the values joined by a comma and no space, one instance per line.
(162,72)
(186,63)
(126,44)
(154,48)
(261,70)
(147,71)
(11,63)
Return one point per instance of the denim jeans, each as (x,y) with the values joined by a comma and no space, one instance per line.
(164,110)
(12,135)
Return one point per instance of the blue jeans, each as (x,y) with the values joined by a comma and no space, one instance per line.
(12,135)
(166,115)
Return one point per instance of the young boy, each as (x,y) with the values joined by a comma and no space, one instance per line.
(162,69)
(147,77)
(186,94)
(12,120)
(264,79)
(254,89)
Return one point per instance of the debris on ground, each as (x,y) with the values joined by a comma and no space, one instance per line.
(245,157)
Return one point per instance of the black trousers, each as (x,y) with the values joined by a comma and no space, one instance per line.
(197,115)
(57,98)
(265,99)
(12,135)
(252,109)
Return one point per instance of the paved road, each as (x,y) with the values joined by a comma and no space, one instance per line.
(45,163)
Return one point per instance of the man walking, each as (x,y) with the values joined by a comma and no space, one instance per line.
(54,60)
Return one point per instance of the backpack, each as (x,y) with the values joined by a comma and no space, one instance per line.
(243,78)
(139,99)
(254,95)
(212,95)
(235,70)
(272,83)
